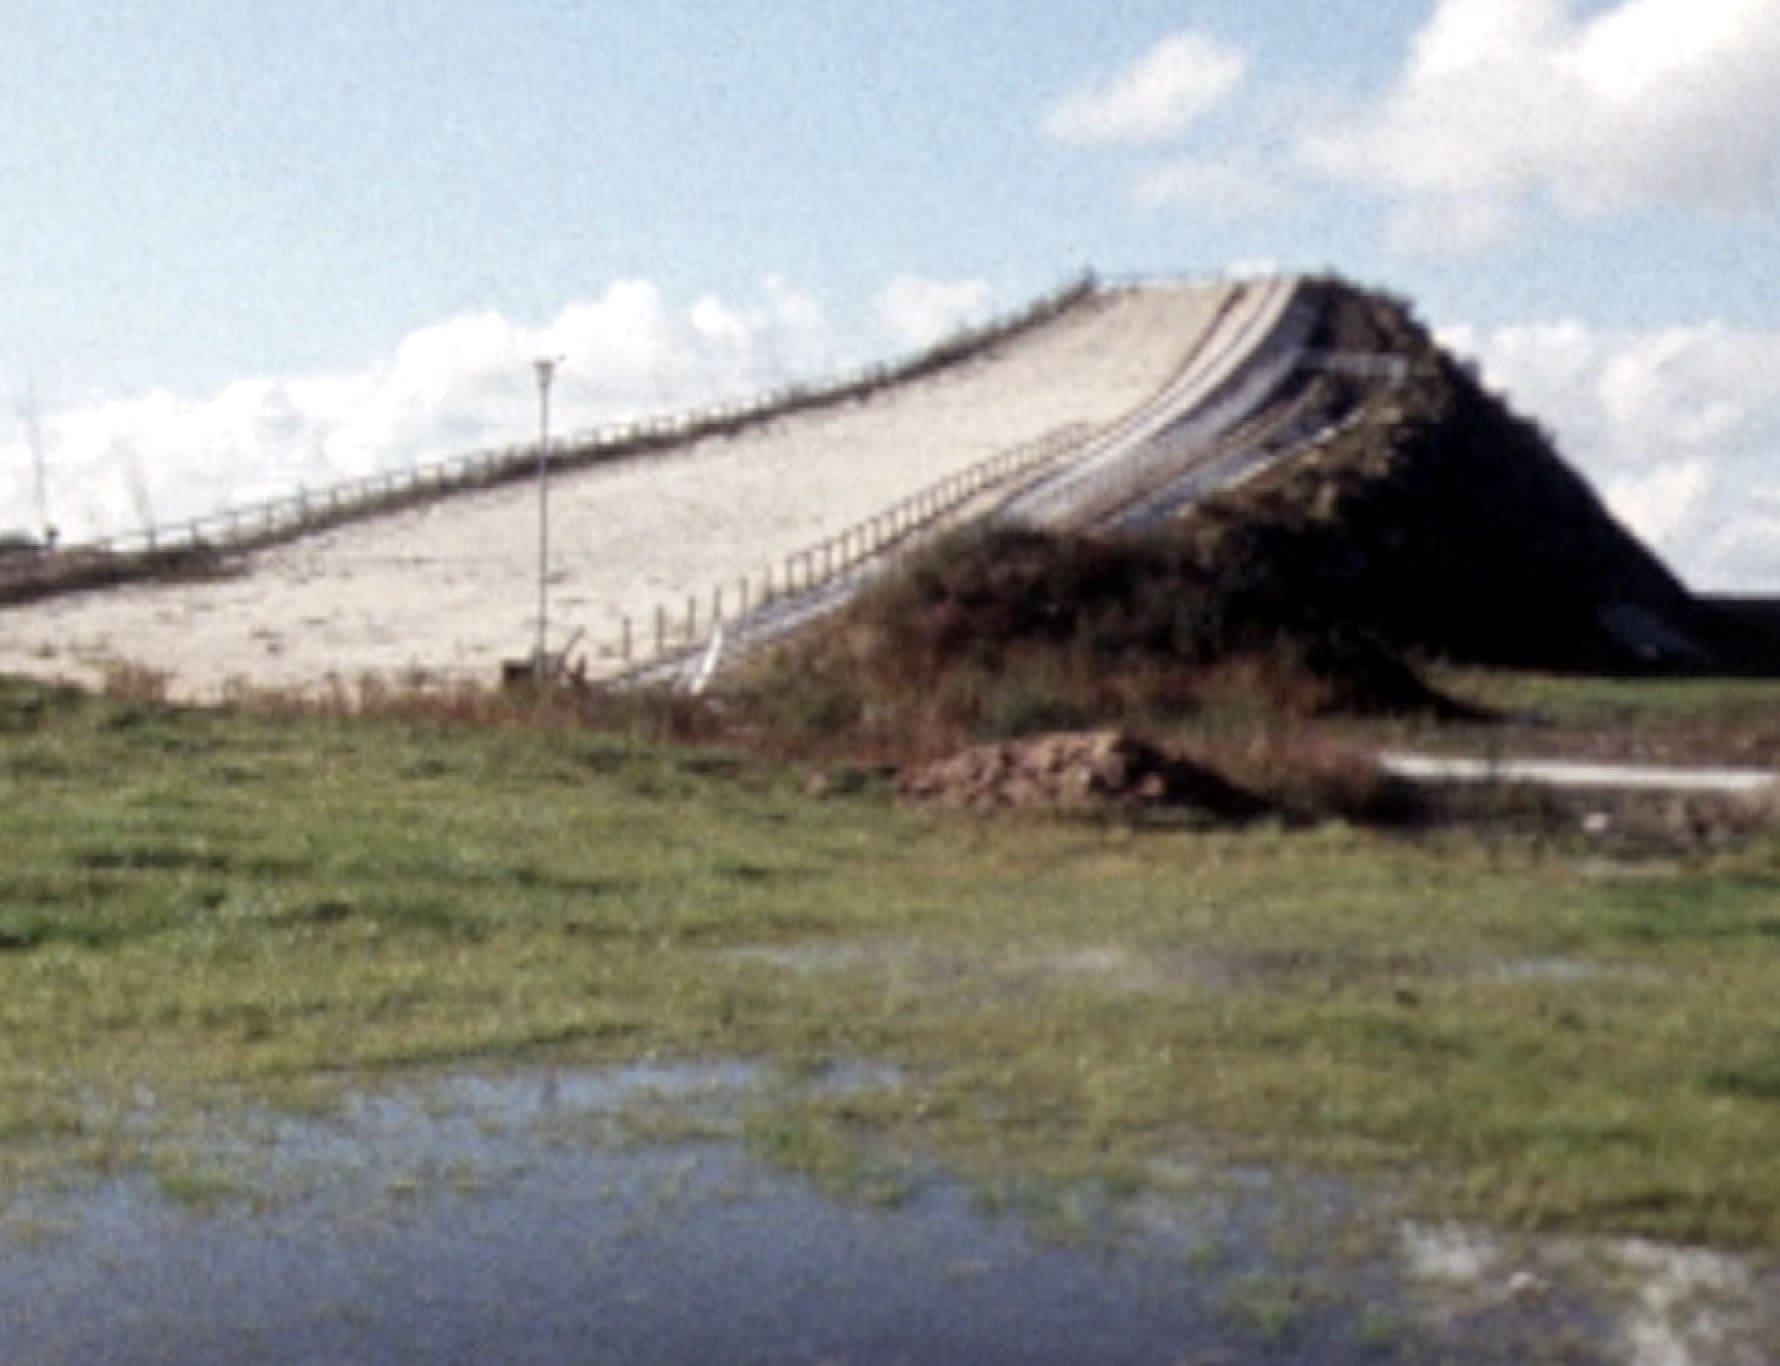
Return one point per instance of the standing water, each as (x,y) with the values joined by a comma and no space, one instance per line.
(526,1219)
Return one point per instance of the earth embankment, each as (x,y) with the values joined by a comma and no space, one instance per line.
(448,589)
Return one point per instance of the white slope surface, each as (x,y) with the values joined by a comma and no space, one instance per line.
(450,589)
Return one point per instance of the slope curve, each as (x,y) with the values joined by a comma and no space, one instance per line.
(445,590)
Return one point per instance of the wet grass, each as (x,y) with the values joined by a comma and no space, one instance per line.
(201,906)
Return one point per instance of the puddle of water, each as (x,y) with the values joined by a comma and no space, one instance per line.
(1545,970)
(1122,969)
(1116,967)
(818,955)
(475,1217)
(1570,972)
(446,1221)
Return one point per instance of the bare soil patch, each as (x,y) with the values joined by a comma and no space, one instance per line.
(1075,770)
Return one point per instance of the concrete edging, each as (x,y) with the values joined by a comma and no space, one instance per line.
(1562,773)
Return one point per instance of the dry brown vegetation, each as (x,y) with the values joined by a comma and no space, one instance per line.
(998,634)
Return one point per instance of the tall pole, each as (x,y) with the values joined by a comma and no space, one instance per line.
(33,420)
(546,368)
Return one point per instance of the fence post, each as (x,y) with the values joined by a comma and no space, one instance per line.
(691,618)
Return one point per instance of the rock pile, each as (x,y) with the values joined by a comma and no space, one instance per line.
(1073,770)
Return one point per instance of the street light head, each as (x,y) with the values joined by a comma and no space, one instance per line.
(546,368)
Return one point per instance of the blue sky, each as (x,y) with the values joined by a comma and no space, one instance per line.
(246,245)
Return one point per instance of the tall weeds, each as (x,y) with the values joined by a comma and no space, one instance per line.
(992,635)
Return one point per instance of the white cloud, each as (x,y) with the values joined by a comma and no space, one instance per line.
(914,312)
(1157,98)
(1503,103)
(1665,503)
(1219,189)
(446,389)
(1253,268)
(1743,553)
(1678,428)
(785,335)
(1452,226)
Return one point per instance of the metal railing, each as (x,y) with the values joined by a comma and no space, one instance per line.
(306,511)
(681,629)
(1245,324)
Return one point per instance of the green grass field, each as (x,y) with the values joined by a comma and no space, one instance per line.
(202,907)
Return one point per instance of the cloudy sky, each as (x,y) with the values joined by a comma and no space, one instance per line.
(247,246)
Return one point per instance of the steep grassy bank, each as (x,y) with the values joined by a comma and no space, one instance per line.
(200,906)
(990,634)
(1441,521)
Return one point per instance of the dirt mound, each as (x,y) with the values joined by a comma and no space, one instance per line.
(1074,769)
(1439,520)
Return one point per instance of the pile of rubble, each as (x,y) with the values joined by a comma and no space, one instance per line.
(1073,770)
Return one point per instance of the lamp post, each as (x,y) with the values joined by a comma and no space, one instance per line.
(546,368)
